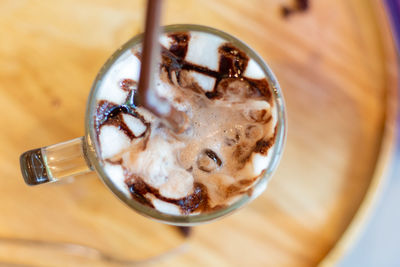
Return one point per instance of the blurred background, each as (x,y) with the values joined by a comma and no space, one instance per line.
(334,198)
(378,242)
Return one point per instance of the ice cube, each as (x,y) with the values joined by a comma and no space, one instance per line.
(203,50)
(253,70)
(134,124)
(112,141)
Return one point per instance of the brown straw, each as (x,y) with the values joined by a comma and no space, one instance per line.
(151,52)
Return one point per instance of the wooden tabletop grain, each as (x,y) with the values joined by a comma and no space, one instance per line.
(332,63)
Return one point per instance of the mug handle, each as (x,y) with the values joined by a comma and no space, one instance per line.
(55,162)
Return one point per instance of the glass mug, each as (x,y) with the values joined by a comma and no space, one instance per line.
(81,155)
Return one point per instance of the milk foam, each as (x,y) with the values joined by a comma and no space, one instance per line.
(172,164)
(113,141)
(116,174)
(127,66)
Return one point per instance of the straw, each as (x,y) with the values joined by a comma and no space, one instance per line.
(147,97)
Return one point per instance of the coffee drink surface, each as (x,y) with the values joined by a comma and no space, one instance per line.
(226,147)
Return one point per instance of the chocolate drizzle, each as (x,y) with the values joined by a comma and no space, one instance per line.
(263,145)
(238,187)
(197,201)
(232,64)
(111,114)
(243,152)
(232,61)
(212,155)
(180,44)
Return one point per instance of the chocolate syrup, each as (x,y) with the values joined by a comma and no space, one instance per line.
(111,114)
(237,188)
(263,145)
(232,65)
(212,155)
(197,201)
(180,45)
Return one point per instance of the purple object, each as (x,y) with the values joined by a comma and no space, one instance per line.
(393,9)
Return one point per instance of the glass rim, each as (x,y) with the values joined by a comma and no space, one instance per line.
(186,220)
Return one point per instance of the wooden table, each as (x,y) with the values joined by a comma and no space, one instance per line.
(336,66)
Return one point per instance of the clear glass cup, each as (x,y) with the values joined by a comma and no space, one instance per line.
(81,155)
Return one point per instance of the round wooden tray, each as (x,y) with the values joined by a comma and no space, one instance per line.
(337,68)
